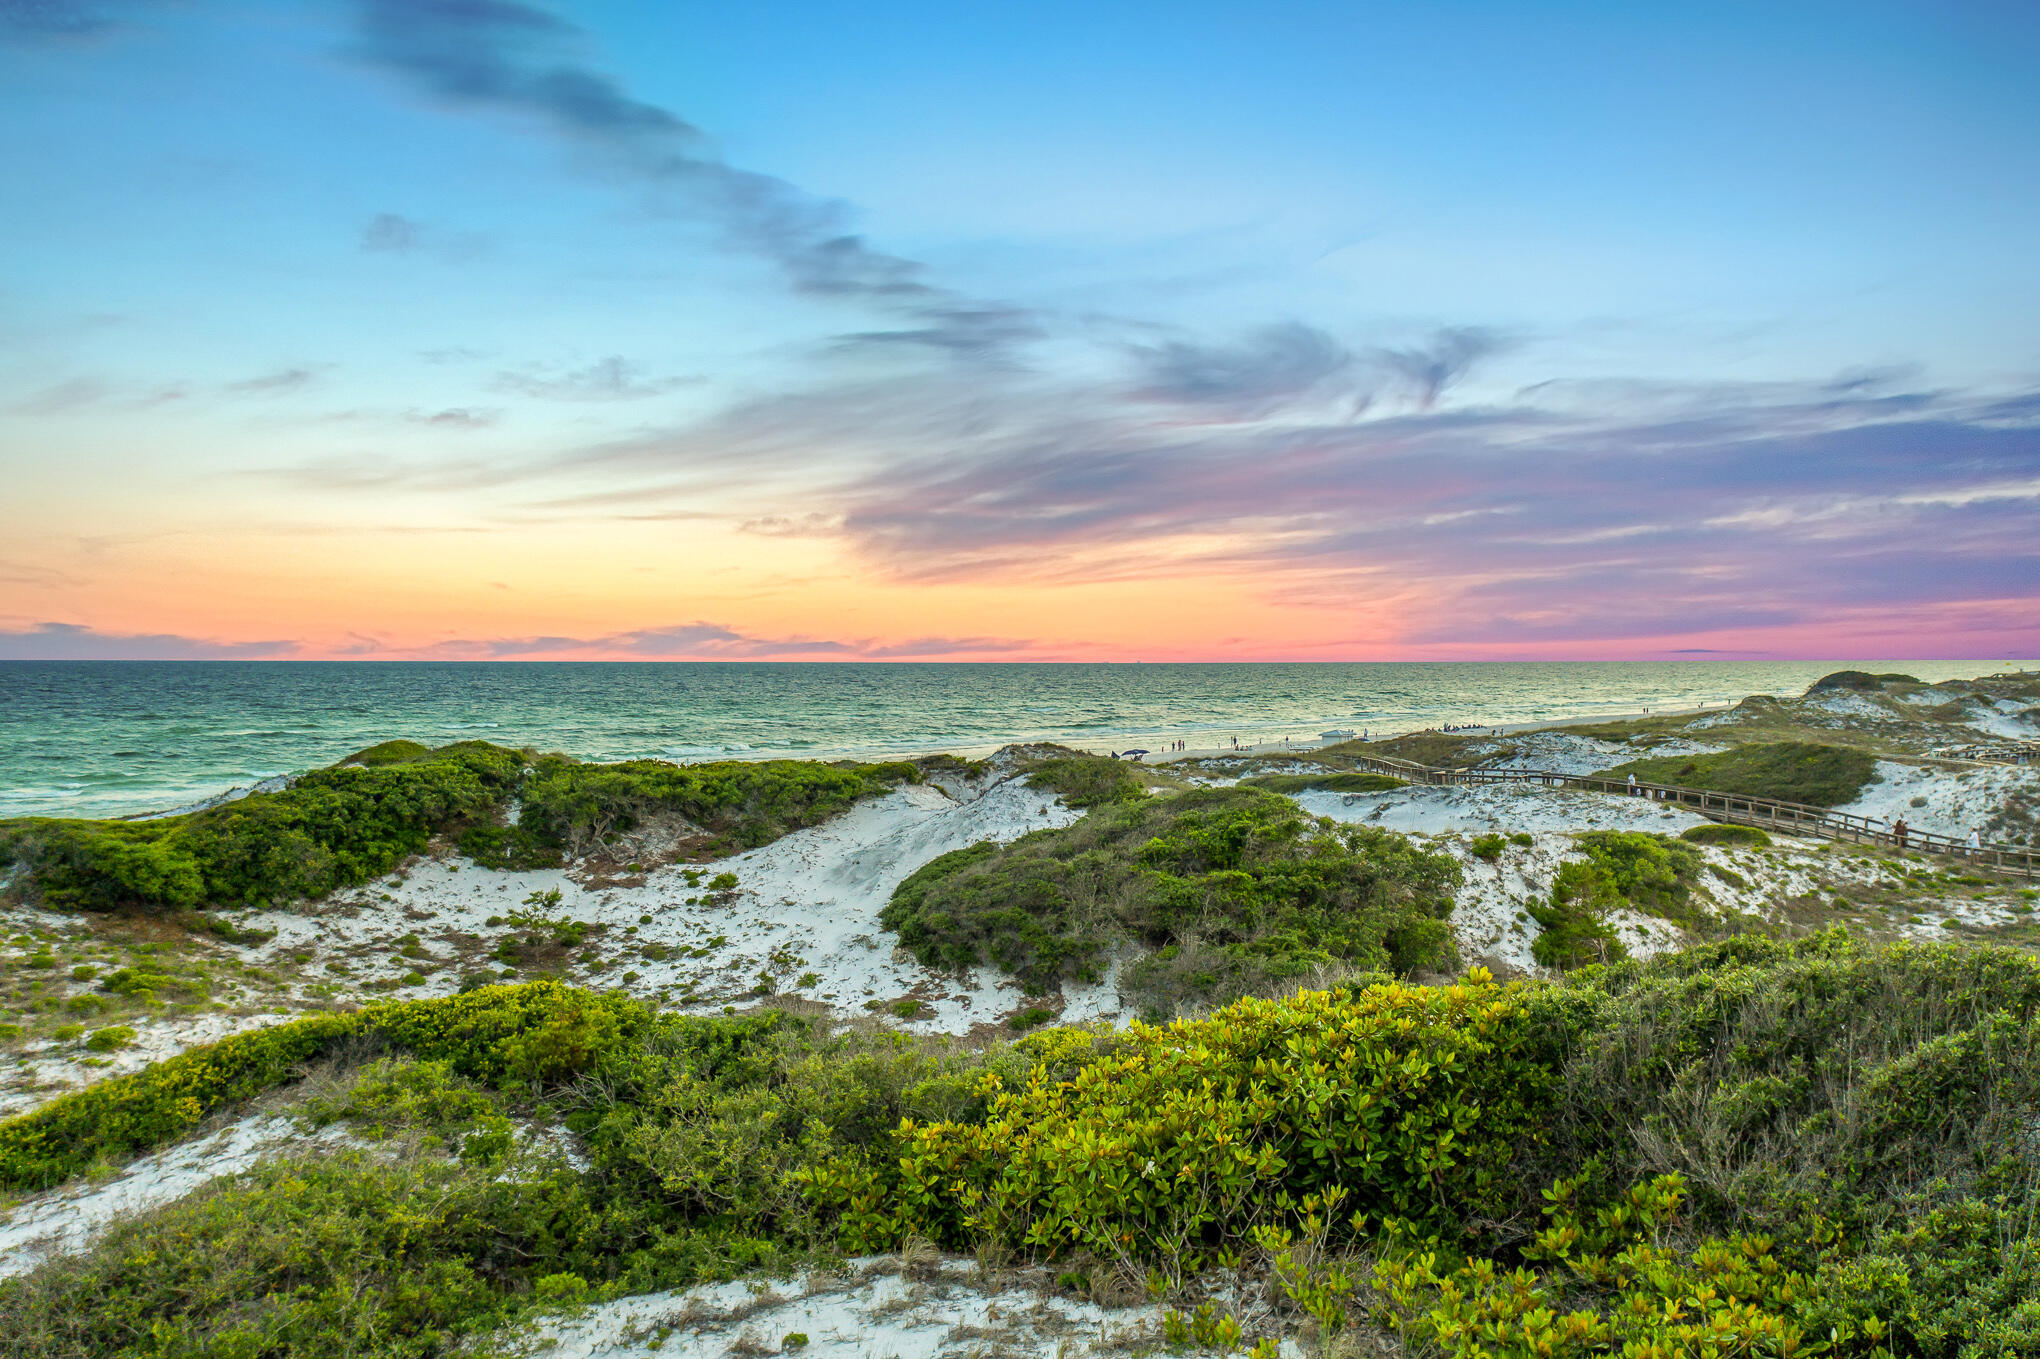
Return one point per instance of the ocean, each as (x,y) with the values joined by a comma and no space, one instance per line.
(115,738)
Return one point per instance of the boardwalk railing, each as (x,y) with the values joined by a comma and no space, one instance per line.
(1995,752)
(1794,818)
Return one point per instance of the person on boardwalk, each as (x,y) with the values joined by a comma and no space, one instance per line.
(1632,785)
(1898,832)
(1975,839)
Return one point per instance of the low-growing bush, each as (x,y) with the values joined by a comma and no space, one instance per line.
(1652,873)
(1718,833)
(1324,783)
(523,1035)
(741,804)
(341,826)
(1087,780)
(510,848)
(1244,887)
(1755,1147)
(111,1039)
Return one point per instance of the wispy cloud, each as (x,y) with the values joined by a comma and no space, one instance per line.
(695,641)
(391,233)
(61,397)
(31,19)
(1274,365)
(517,59)
(75,642)
(1650,509)
(278,383)
(1431,367)
(612,379)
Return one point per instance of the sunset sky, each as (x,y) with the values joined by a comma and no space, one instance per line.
(478,329)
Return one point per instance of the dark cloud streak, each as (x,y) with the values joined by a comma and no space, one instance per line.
(497,54)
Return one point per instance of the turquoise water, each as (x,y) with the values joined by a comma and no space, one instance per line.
(104,738)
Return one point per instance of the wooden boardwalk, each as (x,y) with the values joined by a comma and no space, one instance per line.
(1996,752)
(1792,818)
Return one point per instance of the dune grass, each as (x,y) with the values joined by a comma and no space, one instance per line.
(1360,782)
(1787,771)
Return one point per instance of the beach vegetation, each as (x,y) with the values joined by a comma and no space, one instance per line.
(345,825)
(1754,1147)
(1083,780)
(387,752)
(1441,750)
(1574,922)
(1861,680)
(1653,874)
(1720,833)
(1350,782)
(1787,771)
(1228,891)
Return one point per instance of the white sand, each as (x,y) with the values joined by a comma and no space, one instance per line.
(807,906)
(1954,802)
(1488,910)
(868,1312)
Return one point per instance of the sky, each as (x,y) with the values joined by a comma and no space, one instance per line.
(485,329)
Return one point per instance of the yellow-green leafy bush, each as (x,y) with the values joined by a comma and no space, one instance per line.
(1167,1143)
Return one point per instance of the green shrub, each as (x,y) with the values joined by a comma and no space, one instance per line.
(135,982)
(1087,780)
(1653,873)
(1787,771)
(740,804)
(340,827)
(1324,783)
(1487,847)
(1857,679)
(388,752)
(510,848)
(347,1254)
(1575,924)
(1167,1145)
(1246,889)
(124,1115)
(111,1039)
(1777,1075)
(1756,1147)
(332,828)
(522,1035)
(1716,833)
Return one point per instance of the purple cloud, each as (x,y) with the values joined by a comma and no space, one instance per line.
(75,642)
(702,641)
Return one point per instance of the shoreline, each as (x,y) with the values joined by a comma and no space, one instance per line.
(1269,744)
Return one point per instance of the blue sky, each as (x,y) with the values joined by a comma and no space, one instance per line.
(1018,331)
